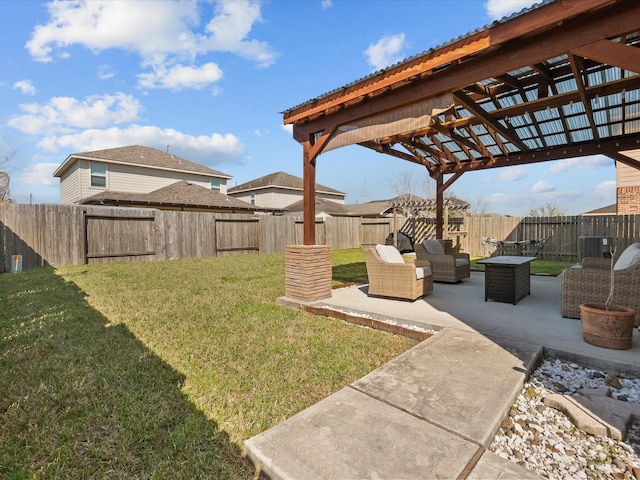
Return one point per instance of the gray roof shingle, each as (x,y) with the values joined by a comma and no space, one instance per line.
(142,156)
(181,193)
(280,180)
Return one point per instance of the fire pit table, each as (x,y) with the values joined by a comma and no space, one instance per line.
(506,278)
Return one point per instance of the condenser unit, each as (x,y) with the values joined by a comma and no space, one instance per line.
(594,247)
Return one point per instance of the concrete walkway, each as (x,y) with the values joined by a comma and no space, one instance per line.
(432,411)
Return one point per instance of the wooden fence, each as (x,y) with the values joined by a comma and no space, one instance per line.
(72,235)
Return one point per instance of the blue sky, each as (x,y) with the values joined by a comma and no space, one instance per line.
(209,79)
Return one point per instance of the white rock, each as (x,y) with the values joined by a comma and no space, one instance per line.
(556,435)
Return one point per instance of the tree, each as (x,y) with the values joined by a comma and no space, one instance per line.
(408,183)
(4,177)
(549,210)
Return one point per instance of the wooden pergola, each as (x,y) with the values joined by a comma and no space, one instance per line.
(560,80)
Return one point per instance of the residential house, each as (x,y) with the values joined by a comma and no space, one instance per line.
(608,210)
(279,190)
(137,176)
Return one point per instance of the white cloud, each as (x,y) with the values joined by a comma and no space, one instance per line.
(386,51)
(25,86)
(166,38)
(229,28)
(512,173)
(542,187)
(62,114)
(497,9)
(606,189)
(179,77)
(105,72)
(102,24)
(40,174)
(205,149)
(327,4)
(595,161)
(288,128)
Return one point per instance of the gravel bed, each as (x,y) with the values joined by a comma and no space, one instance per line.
(544,440)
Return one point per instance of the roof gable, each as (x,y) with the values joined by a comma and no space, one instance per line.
(140,156)
(280,180)
(181,193)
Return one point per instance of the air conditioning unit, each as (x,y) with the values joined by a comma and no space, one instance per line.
(594,247)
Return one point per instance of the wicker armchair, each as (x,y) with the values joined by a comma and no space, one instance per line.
(446,267)
(396,280)
(590,284)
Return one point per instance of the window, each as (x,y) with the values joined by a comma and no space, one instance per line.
(99,175)
(253,198)
(215,184)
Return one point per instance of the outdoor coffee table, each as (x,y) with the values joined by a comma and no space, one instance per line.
(506,279)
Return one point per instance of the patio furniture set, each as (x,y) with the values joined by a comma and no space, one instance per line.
(390,276)
(506,277)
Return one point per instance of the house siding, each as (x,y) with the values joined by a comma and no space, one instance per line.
(76,185)
(627,176)
(71,185)
(281,197)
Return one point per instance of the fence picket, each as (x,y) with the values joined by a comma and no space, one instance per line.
(60,234)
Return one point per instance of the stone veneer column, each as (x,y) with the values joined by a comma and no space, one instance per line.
(307,272)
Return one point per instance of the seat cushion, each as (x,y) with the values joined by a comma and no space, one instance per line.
(629,257)
(434,247)
(423,272)
(389,254)
(461,262)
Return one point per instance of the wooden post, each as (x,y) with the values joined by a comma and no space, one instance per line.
(445,228)
(308,196)
(395,237)
(439,205)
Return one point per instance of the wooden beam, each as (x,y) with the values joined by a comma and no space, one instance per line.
(622,158)
(393,152)
(612,53)
(581,79)
(490,120)
(560,99)
(538,156)
(463,142)
(452,179)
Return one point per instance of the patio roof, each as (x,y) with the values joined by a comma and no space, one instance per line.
(559,80)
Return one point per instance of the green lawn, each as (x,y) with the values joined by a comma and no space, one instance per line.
(162,370)
(349,266)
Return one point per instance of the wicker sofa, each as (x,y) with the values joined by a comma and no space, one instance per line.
(446,267)
(390,276)
(589,283)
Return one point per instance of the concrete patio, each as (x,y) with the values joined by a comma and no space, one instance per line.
(535,319)
(433,411)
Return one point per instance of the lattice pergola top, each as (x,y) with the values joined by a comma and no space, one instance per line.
(559,80)
(416,203)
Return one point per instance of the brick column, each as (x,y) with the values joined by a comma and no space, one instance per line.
(629,200)
(307,272)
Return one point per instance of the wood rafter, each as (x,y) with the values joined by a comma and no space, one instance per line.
(490,121)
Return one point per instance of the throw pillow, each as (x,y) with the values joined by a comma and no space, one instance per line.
(389,254)
(629,257)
